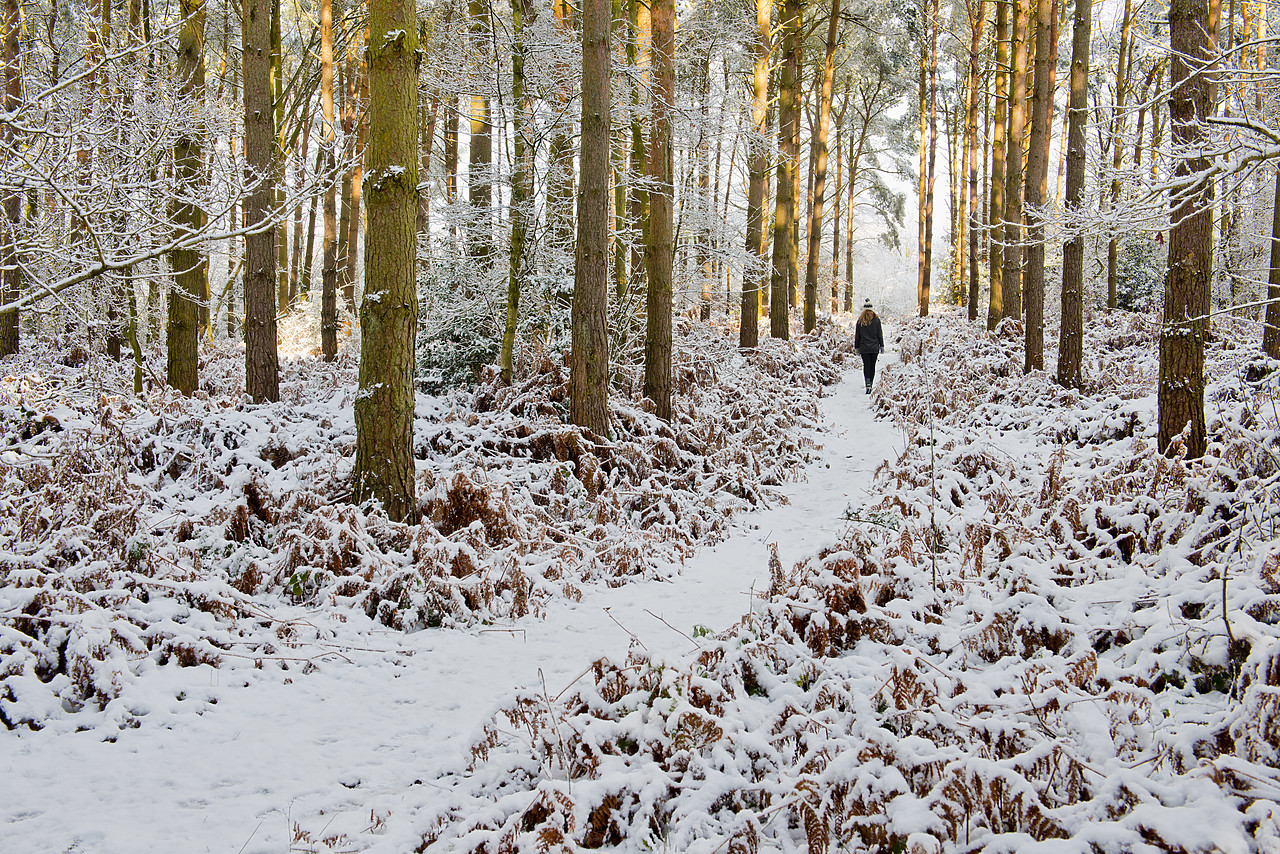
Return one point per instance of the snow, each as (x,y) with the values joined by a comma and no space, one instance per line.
(356,715)
(987,616)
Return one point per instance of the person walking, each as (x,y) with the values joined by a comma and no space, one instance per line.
(868,340)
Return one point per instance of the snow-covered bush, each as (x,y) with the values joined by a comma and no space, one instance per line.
(1044,635)
(138,532)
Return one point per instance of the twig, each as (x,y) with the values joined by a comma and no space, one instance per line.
(696,645)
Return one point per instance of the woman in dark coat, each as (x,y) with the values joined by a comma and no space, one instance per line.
(868,340)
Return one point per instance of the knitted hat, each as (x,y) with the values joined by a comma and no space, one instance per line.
(866,306)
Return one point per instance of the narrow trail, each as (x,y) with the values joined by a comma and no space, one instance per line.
(268,750)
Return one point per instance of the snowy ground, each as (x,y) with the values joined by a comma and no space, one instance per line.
(246,760)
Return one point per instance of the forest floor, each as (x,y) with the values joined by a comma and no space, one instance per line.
(1028,631)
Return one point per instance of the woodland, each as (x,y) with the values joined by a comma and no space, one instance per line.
(337,339)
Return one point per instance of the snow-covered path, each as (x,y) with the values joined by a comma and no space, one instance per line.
(231,760)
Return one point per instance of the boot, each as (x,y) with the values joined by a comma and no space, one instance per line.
(868,388)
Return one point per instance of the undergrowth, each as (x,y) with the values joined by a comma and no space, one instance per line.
(1063,641)
(136,532)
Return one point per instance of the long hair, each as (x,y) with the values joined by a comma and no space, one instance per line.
(866,317)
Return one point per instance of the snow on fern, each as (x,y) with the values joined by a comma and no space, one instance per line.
(1045,635)
(139,532)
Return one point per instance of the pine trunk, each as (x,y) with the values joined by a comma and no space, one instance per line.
(1037,175)
(758,175)
(1180,399)
(261,361)
(1013,177)
(788,125)
(999,121)
(589,364)
(384,468)
(190,273)
(820,172)
(1071,332)
(329,250)
(10,271)
(658,254)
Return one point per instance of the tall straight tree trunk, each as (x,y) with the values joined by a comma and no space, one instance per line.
(10,271)
(190,272)
(1013,177)
(1117,150)
(999,125)
(278,161)
(658,251)
(758,176)
(329,248)
(620,153)
(784,206)
(261,360)
(836,212)
(384,469)
(304,282)
(360,101)
(978,21)
(1180,398)
(1037,178)
(705,205)
(451,162)
(521,188)
(1071,332)
(1271,320)
(820,171)
(589,362)
(480,151)
(638,56)
(560,180)
(926,254)
(295,261)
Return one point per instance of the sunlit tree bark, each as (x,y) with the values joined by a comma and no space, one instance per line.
(384,467)
(261,361)
(659,247)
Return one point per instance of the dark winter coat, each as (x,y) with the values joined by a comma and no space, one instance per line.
(869,338)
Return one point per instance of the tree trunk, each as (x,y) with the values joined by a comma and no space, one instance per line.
(659,247)
(820,171)
(1012,273)
(1180,399)
(1071,332)
(261,361)
(589,363)
(1037,177)
(788,124)
(930,162)
(10,271)
(757,170)
(978,26)
(1117,150)
(521,188)
(999,121)
(1271,321)
(480,152)
(638,49)
(384,468)
(329,249)
(560,180)
(190,272)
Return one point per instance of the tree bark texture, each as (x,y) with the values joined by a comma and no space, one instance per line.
(820,171)
(589,364)
(1013,175)
(329,246)
(521,190)
(758,175)
(10,272)
(1271,319)
(658,255)
(261,359)
(784,205)
(1180,399)
(1071,331)
(999,121)
(384,469)
(480,152)
(1037,172)
(190,272)
(978,20)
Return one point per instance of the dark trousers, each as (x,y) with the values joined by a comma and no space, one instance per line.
(869,366)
